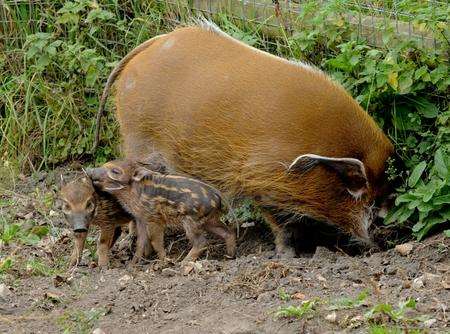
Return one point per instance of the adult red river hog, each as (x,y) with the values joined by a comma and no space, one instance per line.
(252,124)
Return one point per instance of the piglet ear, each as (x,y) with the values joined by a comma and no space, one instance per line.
(141,174)
(351,171)
(156,162)
(62,182)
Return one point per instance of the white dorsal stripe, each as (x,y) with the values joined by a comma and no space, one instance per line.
(207,25)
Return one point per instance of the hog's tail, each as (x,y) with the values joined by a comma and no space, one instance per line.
(111,79)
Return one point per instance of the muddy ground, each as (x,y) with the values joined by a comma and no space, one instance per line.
(320,291)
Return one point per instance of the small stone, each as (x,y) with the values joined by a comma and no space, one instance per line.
(28,216)
(417,283)
(391,270)
(198,267)
(125,279)
(265,297)
(404,249)
(299,295)
(169,272)
(432,278)
(442,267)
(4,291)
(321,278)
(429,323)
(98,331)
(332,317)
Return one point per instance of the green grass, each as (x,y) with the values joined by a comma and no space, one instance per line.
(349,303)
(79,321)
(291,311)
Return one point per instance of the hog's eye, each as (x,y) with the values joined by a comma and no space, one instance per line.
(90,206)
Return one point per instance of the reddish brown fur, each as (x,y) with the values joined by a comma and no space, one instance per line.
(107,214)
(236,117)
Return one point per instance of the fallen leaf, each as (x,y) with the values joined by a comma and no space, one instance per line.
(299,295)
(404,249)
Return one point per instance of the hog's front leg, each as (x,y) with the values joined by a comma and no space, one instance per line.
(282,248)
(104,244)
(77,252)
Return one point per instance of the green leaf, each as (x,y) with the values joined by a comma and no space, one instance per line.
(420,72)
(447,233)
(400,215)
(40,231)
(405,82)
(427,227)
(426,108)
(416,174)
(404,198)
(444,199)
(440,163)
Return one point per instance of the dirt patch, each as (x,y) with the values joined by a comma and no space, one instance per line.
(324,291)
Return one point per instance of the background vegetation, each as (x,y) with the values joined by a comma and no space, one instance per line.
(55,57)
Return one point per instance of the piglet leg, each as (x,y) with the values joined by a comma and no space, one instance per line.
(156,236)
(105,242)
(214,226)
(77,252)
(142,240)
(196,237)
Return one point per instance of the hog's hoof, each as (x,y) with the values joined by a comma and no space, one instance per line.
(229,257)
(286,253)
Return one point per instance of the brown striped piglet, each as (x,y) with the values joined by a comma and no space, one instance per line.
(157,200)
(83,206)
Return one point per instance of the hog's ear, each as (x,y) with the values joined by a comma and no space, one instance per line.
(141,174)
(351,171)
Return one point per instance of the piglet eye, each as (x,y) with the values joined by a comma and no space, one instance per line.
(116,171)
(65,207)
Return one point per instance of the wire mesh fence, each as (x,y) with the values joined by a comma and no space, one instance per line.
(369,18)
